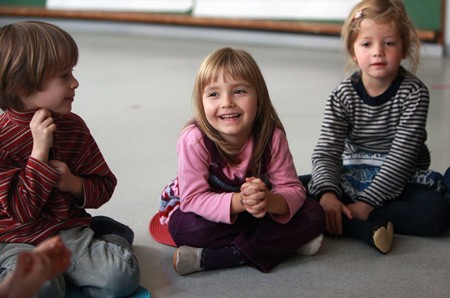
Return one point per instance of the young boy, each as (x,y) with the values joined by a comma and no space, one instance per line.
(51,168)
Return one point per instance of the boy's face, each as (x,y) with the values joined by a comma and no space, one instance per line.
(57,94)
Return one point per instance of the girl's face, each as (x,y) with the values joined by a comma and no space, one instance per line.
(57,94)
(230,107)
(378,51)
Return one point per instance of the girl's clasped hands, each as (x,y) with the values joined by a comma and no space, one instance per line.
(254,196)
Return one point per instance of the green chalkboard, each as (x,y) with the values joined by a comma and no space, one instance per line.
(425,14)
(24,2)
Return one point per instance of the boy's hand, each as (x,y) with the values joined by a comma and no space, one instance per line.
(42,128)
(67,182)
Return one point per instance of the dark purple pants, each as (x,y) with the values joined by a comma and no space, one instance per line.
(264,241)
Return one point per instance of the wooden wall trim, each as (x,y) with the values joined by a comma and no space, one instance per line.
(187,20)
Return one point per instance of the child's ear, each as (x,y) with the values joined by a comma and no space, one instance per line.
(22,95)
(21,92)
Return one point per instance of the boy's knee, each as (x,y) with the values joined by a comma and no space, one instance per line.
(118,280)
(106,269)
(124,283)
(123,273)
(55,287)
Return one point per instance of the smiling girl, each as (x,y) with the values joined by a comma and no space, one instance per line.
(240,200)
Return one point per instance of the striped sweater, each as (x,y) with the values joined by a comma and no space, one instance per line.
(392,123)
(31,208)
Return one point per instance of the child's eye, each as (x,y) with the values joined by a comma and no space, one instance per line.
(240,91)
(212,94)
(390,43)
(66,74)
(365,44)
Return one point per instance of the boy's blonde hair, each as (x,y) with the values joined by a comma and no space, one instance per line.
(382,12)
(237,63)
(31,52)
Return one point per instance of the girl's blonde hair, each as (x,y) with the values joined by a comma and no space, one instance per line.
(382,12)
(31,52)
(237,63)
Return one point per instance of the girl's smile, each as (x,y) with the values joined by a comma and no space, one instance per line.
(230,107)
(230,116)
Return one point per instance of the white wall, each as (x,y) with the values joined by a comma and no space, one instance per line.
(257,9)
(310,9)
(179,6)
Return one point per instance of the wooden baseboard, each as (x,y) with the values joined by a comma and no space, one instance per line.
(187,20)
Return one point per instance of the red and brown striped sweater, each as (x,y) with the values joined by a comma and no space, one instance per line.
(31,208)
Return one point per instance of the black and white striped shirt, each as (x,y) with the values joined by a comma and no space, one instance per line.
(392,123)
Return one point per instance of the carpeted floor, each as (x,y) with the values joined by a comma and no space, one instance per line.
(135,95)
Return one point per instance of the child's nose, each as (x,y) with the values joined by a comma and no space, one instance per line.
(227,101)
(379,51)
(75,83)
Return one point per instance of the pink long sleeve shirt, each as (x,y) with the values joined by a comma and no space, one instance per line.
(193,172)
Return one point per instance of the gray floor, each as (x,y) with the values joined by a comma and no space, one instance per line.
(135,95)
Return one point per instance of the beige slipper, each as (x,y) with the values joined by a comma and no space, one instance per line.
(187,259)
(383,236)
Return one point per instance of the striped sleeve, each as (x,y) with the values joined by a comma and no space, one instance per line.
(32,209)
(405,149)
(395,128)
(97,179)
(327,155)
(31,188)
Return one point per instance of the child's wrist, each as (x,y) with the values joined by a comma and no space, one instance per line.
(77,189)
(237,203)
(40,155)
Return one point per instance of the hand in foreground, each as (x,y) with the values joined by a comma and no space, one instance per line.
(35,267)
(333,210)
(58,254)
(42,128)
